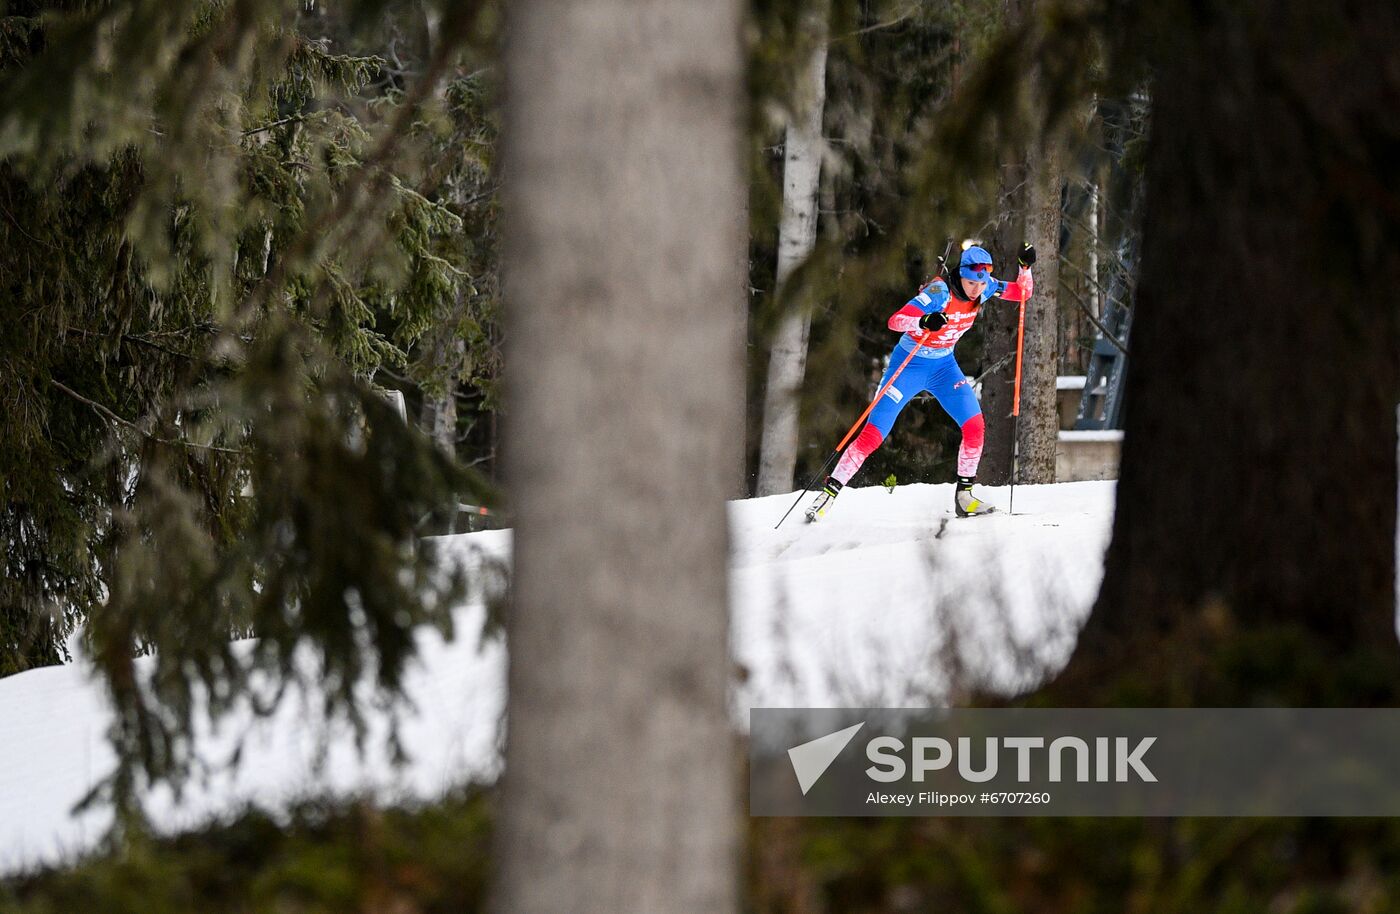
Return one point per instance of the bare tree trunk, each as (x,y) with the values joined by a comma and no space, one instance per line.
(624,250)
(439,418)
(1031,191)
(797,232)
(447,351)
(1040,420)
(1256,513)
(999,324)
(1095,296)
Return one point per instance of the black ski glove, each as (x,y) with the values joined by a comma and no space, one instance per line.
(934,320)
(1027,255)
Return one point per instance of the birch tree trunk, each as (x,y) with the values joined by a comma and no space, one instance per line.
(1095,295)
(624,254)
(797,232)
(439,416)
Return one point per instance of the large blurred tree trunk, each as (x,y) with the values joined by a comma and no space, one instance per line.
(624,278)
(797,233)
(1256,505)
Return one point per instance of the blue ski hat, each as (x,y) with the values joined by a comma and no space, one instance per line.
(976,265)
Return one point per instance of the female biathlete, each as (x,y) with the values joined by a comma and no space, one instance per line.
(932,323)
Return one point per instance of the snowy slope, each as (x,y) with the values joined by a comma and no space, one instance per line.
(874,605)
(858,609)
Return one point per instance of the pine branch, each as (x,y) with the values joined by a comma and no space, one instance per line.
(348,199)
(1079,300)
(146,339)
(902,17)
(994,368)
(22,230)
(291,119)
(113,418)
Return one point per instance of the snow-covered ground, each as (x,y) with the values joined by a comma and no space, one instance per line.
(880,604)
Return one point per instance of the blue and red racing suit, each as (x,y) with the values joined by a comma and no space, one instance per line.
(933,369)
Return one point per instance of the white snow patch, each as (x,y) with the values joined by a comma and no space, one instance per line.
(875,606)
(1109,434)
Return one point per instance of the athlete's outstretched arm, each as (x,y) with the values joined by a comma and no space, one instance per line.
(1020,289)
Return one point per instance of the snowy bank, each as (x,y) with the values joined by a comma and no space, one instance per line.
(874,605)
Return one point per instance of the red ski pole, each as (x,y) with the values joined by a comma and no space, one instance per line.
(1016,406)
(849,434)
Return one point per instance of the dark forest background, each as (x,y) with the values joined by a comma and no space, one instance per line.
(236,232)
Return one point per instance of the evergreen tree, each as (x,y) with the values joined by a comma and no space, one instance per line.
(193,448)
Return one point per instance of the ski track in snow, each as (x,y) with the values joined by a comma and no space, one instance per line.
(869,607)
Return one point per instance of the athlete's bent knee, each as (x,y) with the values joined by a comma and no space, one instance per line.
(973,431)
(869,439)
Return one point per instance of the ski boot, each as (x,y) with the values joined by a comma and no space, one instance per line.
(830,489)
(965,504)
